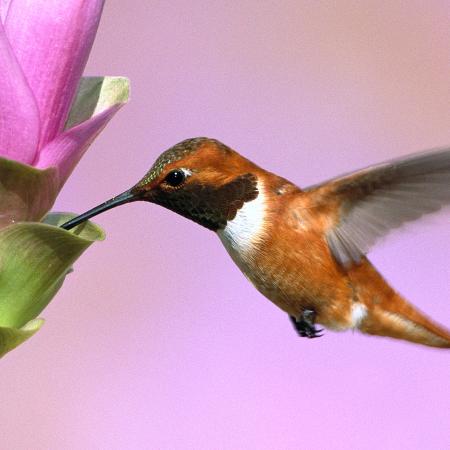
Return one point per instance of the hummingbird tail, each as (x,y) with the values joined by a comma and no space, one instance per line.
(386,313)
(397,318)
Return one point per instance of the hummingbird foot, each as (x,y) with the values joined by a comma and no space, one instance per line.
(305,324)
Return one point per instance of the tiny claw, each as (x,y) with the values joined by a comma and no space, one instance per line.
(315,336)
(305,326)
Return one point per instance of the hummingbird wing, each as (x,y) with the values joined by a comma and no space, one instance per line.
(375,200)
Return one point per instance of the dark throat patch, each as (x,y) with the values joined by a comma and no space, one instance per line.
(210,206)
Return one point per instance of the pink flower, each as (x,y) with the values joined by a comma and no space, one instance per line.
(44,47)
(49,116)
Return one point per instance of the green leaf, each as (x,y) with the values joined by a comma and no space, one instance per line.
(10,338)
(26,193)
(34,260)
(95,95)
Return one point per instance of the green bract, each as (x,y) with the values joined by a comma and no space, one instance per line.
(95,95)
(35,259)
(26,193)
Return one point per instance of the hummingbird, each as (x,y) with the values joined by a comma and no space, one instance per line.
(304,249)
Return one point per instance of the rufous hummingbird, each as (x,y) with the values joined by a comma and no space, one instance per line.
(305,250)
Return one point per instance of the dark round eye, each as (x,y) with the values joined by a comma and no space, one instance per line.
(175,178)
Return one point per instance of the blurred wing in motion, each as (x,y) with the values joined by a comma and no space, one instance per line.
(375,200)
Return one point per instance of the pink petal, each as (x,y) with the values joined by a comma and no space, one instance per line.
(19,116)
(52,40)
(4,6)
(66,149)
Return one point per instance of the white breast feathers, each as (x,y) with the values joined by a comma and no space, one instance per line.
(246,229)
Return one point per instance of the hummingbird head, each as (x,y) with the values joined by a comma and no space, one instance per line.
(200,178)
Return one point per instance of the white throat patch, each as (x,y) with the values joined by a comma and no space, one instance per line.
(244,231)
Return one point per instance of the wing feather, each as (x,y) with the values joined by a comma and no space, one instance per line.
(377,199)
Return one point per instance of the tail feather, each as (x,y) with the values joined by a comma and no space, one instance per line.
(401,320)
(388,314)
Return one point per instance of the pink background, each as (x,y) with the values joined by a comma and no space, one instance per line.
(156,340)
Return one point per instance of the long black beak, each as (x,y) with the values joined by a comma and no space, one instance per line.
(125,197)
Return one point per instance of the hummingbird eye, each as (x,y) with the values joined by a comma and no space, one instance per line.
(175,178)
